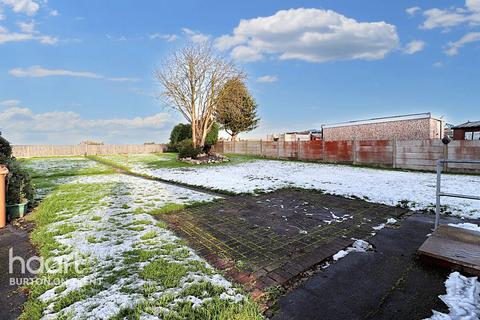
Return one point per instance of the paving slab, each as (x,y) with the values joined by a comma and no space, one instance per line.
(270,239)
(389,282)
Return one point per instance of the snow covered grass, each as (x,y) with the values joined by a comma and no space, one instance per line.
(462,298)
(63,166)
(415,190)
(129,265)
(139,162)
(49,172)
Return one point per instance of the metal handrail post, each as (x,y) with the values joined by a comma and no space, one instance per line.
(439,182)
(439,193)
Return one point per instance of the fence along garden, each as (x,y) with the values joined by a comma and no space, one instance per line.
(27,151)
(408,154)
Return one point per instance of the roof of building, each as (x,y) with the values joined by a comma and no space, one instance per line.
(414,116)
(468,124)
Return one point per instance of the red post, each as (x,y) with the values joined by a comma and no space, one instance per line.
(3,214)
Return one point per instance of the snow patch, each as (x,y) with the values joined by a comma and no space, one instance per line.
(416,189)
(466,225)
(357,246)
(462,298)
(104,244)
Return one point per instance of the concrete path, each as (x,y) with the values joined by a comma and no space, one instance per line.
(387,283)
(11,299)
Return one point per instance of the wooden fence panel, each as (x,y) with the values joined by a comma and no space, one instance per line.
(27,151)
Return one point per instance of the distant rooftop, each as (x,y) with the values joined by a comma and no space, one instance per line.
(468,124)
(380,120)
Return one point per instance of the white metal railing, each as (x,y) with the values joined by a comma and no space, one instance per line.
(439,192)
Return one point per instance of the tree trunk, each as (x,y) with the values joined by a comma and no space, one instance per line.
(194,134)
(234,136)
(203,135)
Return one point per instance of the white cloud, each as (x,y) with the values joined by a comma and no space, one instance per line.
(438,64)
(54,13)
(313,35)
(451,17)
(246,54)
(454,47)
(412,11)
(70,128)
(6,36)
(10,103)
(40,72)
(166,37)
(414,47)
(27,27)
(27,7)
(48,39)
(267,79)
(195,36)
(473,5)
(117,38)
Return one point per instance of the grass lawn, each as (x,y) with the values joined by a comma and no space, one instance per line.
(63,166)
(135,162)
(113,260)
(49,172)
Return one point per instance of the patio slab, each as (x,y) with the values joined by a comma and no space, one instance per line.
(269,240)
(387,283)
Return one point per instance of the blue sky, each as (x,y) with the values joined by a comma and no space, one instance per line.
(78,70)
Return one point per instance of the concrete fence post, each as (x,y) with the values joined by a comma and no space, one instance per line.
(445,156)
(3,189)
(354,151)
(323,151)
(394,153)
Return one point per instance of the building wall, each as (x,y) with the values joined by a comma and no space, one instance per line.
(294,137)
(459,134)
(415,129)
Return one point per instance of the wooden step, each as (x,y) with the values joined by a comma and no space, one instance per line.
(454,248)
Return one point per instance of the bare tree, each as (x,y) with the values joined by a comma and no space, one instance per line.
(192,78)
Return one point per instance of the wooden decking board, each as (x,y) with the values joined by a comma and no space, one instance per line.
(453,247)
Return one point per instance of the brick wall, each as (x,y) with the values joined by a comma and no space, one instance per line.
(415,129)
